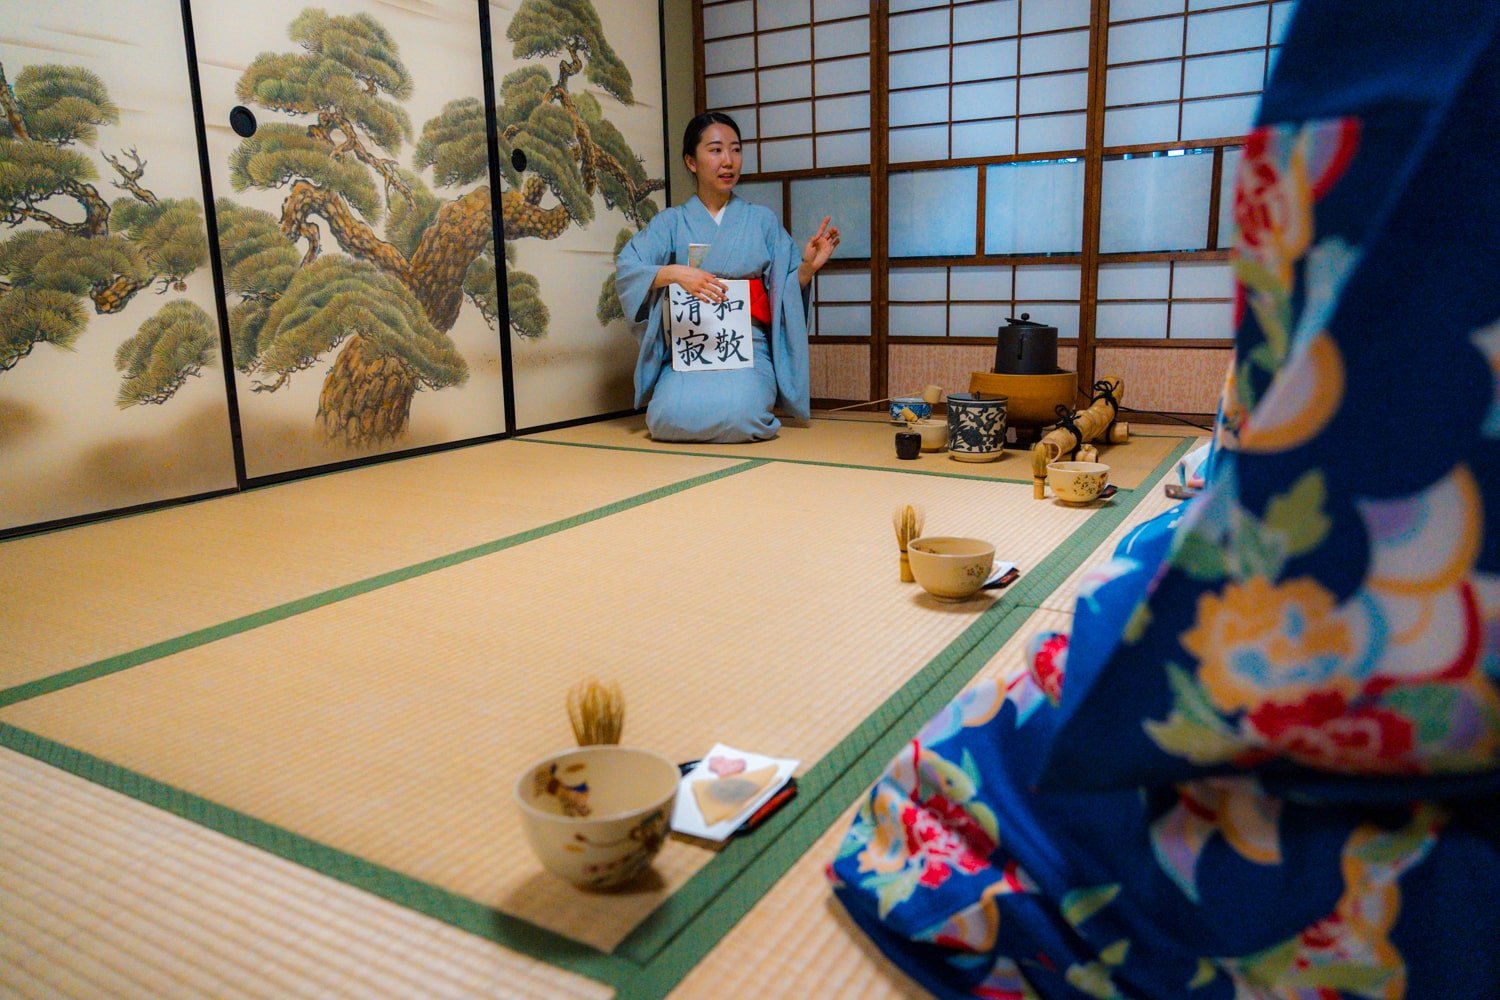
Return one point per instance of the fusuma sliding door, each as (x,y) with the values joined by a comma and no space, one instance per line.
(111,394)
(580,104)
(347,148)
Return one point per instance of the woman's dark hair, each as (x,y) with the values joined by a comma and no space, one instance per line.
(696,127)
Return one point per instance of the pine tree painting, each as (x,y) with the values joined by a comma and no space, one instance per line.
(410,258)
(571,150)
(79,253)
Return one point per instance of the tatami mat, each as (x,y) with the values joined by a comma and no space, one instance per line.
(865,443)
(104,896)
(70,598)
(762,609)
(797,941)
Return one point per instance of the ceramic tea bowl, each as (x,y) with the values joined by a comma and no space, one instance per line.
(915,404)
(1077,482)
(934,435)
(597,815)
(950,568)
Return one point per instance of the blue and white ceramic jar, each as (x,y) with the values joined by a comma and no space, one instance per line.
(976,426)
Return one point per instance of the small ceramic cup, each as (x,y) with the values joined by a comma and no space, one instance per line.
(934,435)
(951,568)
(908,444)
(597,815)
(1077,482)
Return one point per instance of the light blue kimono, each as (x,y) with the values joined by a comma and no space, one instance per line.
(722,406)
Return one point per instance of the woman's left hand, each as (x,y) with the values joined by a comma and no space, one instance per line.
(821,246)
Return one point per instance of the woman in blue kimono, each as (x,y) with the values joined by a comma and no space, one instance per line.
(746,241)
(1266,762)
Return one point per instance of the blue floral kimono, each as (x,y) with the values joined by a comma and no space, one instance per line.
(720,406)
(1266,762)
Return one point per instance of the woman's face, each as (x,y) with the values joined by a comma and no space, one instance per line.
(717,163)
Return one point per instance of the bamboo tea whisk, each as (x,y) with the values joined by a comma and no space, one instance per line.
(907,521)
(597,711)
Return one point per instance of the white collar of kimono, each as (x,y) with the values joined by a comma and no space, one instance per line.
(718,216)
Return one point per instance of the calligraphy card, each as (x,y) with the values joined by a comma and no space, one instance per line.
(710,336)
(724,789)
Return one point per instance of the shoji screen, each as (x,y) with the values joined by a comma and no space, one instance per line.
(581,106)
(112,391)
(795,74)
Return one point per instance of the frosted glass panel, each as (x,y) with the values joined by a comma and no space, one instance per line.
(727,91)
(1228,180)
(899,5)
(847,199)
(918,321)
(991,283)
(1208,280)
(1066,92)
(1146,40)
(786,119)
(921,284)
(1131,126)
(1134,281)
(781,13)
(1034,208)
(1047,281)
(1225,116)
(786,154)
(1125,10)
(727,19)
(985,61)
(1155,203)
(1236,73)
(843,150)
(751,158)
(838,113)
(976,321)
(767,193)
(1197,5)
(1047,53)
(843,76)
(1281,16)
(1131,319)
(846,38)
(786,84)
(1054,14)
(785,47)
(932,212)
(926,143)
(843,321)
(1203,319)
(844,286)
(919,107)
(919,69)
(995,99)
(1052,133)
(915,31)
(997,138)
(1230,29)
(736,53)
(973,22)
(1143,84)
(1063,315)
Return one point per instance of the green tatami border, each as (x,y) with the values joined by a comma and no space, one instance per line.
(688,924)
(213,633)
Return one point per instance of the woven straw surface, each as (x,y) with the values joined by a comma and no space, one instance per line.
(868,443)
(797,941)
(74,597)
(104,896)
(392,725)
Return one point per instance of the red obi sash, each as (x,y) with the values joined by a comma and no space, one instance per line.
(760,303)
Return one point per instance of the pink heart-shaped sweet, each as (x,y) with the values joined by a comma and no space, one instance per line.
(725,766)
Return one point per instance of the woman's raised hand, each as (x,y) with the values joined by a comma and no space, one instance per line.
(700,284)
(821,246)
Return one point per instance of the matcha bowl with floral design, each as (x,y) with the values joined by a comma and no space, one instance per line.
(1077,482)
(950,568)
(597,815)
